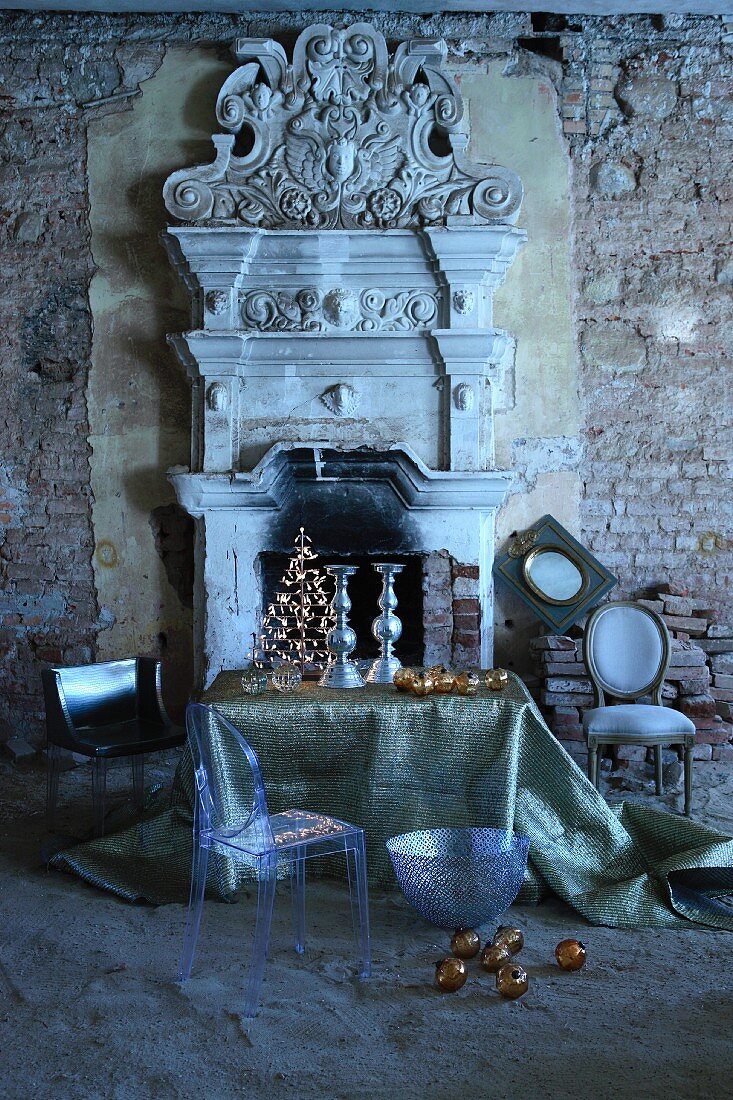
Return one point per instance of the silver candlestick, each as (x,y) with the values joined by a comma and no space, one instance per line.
(341,640)
(386,628)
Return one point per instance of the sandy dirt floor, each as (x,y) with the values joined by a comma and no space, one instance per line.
(89,1006)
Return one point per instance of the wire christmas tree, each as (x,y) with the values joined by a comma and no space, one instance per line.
(299,618)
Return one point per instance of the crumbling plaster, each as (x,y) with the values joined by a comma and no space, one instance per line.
(138,396)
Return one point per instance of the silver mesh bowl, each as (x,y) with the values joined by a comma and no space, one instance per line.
(457,877)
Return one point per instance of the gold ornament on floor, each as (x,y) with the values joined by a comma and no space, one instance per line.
(570,954)
(466,943)
(423,684)
(511,938)
(512,981)
(403,679)
(443,680)
(494,956)
(450,974)
(467,683)
(496,679)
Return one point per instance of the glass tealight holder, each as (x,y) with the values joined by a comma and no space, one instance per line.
(254,681)
(286,677)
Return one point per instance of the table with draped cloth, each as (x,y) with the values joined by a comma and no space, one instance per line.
(393,763)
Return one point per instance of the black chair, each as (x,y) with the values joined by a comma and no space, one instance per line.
(105,710)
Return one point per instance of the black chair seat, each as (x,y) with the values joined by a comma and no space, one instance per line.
(128,738)
(102,711)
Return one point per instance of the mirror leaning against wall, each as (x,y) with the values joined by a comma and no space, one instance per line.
(553,573)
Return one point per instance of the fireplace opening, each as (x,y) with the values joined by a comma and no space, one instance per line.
(364,590)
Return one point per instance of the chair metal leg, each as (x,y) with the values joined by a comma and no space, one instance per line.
(99,783)
(266,882)
(297,889)
(52,783)
(658,768)
(688,779)
(359,897)
(138,781)
(195,904)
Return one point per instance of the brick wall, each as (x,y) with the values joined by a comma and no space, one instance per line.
(648,114)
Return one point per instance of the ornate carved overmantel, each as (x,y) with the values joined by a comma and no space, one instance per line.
(342,254)
(345,136)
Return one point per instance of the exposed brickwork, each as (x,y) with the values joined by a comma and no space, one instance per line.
(646,108)
(653,208)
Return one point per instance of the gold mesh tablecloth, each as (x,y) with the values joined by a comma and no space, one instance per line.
(393,763)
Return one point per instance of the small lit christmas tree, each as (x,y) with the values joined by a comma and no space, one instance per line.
(299,618)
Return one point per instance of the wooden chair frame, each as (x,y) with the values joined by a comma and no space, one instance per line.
(597,741)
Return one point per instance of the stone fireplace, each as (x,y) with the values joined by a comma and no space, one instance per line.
(342,254)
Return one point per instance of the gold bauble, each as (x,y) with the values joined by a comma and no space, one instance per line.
(467,683)
(466,943)
(496,679)
(403,679)
(450,974)
(422,684)
(511,938)
(444,682)
(512,981)
(570,954)
(494,956)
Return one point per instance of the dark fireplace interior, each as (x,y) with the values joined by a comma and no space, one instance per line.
(364,590)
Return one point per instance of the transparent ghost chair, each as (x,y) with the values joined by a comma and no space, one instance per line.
(231,818)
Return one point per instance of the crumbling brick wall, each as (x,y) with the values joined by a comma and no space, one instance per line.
(648,114)
(648,109)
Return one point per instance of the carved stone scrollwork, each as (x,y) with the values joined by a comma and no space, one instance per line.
(217,397)
(311,310)
(341,138)
(464,397)
(341,400)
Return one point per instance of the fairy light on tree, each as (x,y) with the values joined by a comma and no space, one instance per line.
(299,618)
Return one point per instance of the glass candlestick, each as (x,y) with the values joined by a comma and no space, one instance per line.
(386,628)
(341,640)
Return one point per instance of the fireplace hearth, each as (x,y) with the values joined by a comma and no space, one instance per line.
(343,358)
(364,591)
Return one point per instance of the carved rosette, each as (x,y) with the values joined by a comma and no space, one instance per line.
(463,302)
(464,397)
(217,302)
(312,310)
(341,138)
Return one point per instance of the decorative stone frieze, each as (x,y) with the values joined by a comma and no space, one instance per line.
(312,310)
(346,135)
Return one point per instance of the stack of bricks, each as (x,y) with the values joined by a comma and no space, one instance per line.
(565,692)
(691,620)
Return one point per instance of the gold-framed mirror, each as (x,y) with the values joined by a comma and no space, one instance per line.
(555,575)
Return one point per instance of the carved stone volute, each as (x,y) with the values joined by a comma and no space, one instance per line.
(341,138)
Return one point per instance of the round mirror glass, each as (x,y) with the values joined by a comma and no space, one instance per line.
(553,575)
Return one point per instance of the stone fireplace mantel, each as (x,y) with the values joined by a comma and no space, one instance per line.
(342,255)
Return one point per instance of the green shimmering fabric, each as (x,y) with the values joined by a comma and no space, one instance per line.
(393,763)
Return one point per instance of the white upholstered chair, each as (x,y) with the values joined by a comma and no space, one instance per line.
(626,650)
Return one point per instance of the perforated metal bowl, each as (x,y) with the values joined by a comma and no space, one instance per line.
(456,877)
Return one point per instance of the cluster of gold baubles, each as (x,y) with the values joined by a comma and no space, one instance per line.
(441,681)
(497,957)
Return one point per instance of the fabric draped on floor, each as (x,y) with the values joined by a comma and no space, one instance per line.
(393,763)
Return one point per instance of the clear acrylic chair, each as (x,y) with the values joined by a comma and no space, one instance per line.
(232,820)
